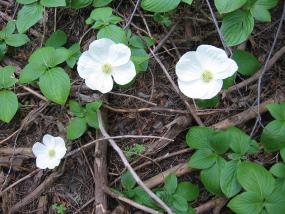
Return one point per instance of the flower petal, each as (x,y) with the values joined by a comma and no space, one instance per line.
(39,149)
(52,163)
(120,54)
(189,67)
(226,71)
(198,89)
(124,74)
(87,65)
(42,161)
(48,140)
(99,50)
(60,147)
(214,59)
(100,81)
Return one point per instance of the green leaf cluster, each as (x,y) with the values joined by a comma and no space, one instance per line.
(218,174)
(8,99)
(54,82)
(59,208)
(104,20)
(136,149)
(8,37)
(138,46)
(262,193)
(83,117)
(32,12)
(273,134)
(238,21)
(176,195)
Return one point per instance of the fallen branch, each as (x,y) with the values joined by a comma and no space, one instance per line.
(180,169)
(128,166)
(247,115)
(130,202)
(210,205)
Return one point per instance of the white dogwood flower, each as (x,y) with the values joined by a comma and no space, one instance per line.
(105,61)
(50,152)
(200,73)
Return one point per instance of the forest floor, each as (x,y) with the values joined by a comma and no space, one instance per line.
(150,107)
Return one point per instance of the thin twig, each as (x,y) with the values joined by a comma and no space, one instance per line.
(227,49)
(132,15)
(129,167)
(258,119)
(132,96)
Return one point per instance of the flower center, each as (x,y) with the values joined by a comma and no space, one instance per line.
(207,76)
(51,153)
(107,68)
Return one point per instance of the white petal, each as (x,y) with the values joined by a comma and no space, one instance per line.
(214,59)
(99,50)
(52,163)
(189,67)
(42,161)
(86,65)
(119,54)
(39,149)
(198,89)
(124,74)
(226,71)
(60,148)
(100,81)
(48,140)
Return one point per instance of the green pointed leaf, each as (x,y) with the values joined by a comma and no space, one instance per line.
(275,203)
(180,203)
(26,1)
(229,183)
(101,3)
(202,159)
(76,128)
(28,16)
(76,108)
(199,137)
(49,56)
(53,3)
(3,50)
(237,27)
(74,54)
(159,6)
(170,183)
(273,136)
(94,106)
(209,103)
(8,105)
(278,170)
(211,177)
(92,119)
(219,142)
(55,85)
(140,58)
(113,32)
(127,180)
(187,190)
(17,40)
(239,141)
(255,178)
(77,4)
(227,6)
(247,202)
(260,9)
(57,39)
(6,77)
(187,1)
(247,63)
(8,29)
(277,110)
(31,72)
(282,153)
